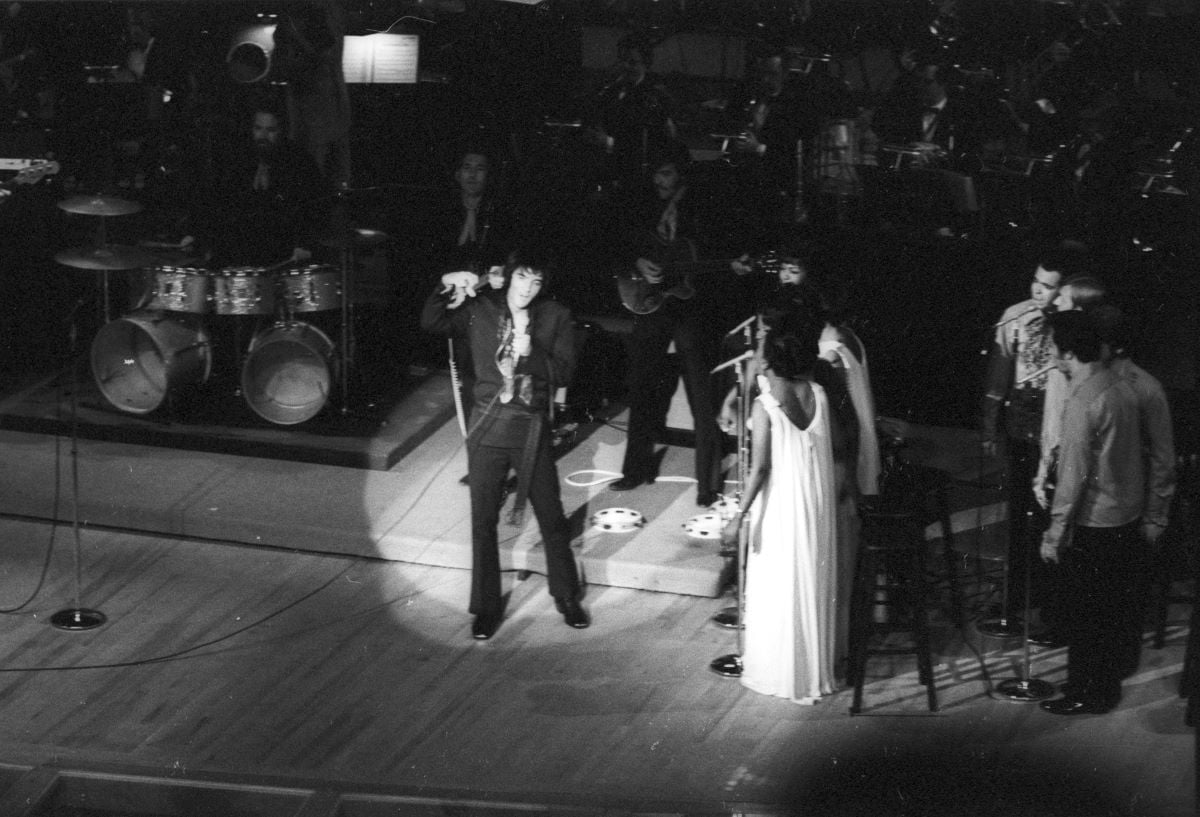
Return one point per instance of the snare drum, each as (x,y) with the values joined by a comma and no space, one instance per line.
(243,291)
(314,288)
(178,289)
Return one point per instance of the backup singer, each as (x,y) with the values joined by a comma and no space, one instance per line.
(791,569)
(1011,421)
(1099,504)
(522,348)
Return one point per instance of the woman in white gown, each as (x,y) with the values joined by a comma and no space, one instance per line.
(791,569)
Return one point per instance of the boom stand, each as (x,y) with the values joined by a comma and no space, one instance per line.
(731,665)
(1006,626)
(77,617)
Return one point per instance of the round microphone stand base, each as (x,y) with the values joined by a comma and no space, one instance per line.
(1024,690)
(729,666)
(1003,627)
(727,617)
(77,618)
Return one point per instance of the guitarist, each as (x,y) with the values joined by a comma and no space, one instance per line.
(687,321)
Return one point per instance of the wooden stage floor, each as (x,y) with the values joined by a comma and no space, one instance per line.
(238,680)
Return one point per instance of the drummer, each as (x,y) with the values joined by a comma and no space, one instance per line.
(268,202)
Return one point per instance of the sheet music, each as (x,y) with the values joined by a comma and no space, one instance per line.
(380,58)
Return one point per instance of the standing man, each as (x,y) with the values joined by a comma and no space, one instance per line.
(682,320)
(1096,519)
(522,348)
(1019,361)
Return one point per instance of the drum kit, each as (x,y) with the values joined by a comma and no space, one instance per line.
(287,370)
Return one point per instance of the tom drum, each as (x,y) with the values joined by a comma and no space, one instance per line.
(178,289)
(314,288)
(243,291)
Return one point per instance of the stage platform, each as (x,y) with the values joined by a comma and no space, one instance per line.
(416,510)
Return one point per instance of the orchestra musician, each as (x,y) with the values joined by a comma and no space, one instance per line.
(632,113)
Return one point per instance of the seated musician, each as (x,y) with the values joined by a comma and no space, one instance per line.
(930,137)
(690,319)
(771,114)
(268,203)
(630,113)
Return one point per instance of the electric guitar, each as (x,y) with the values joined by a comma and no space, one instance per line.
(679,265)
(29,171)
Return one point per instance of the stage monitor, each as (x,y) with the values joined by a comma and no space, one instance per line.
(380,58)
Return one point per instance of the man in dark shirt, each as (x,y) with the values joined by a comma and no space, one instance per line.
(269,203)
(522,349)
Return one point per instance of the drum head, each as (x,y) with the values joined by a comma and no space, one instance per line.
(286,378)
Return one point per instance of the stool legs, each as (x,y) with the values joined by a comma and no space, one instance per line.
(891,575)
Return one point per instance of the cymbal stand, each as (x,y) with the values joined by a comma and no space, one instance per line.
(1024,689)
(77,617)
(345,259)
(731,665)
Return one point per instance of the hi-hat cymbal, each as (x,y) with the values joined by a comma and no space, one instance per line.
(359,237)
(99,206)
(106,257)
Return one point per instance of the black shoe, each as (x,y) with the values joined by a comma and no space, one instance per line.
(1048,638)
(572,613)
(628,483)
(484,627)
(706,499)
(1072,706)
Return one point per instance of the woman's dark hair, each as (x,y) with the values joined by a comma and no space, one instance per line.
(790,348)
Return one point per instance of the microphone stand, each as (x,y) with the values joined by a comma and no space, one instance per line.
(1024,689)
(78,617)
(730,665)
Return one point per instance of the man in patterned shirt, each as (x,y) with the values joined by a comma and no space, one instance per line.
(1018,363)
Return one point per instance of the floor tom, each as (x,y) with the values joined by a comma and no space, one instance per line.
(288,372)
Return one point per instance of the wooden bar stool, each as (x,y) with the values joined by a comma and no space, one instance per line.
(891,596)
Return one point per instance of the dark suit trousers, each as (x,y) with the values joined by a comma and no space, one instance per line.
(489,467)
(1103,569)
(651,378)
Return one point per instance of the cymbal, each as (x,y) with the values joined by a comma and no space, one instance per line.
(106,257)
(359,237)
(99,206)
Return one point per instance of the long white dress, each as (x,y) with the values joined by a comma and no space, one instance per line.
(791,581)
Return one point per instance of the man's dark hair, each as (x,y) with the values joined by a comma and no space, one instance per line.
(669,152)
(1114,327)
(1068,261)
(1075,332)
(636,41)
(539,260)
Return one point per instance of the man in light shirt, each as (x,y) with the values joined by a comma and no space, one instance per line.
(1096,518)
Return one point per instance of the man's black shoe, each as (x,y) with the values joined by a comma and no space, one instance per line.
(1048,638)
(572,613)
(706,498)
(484,627)
(1072,706)
(628,483)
